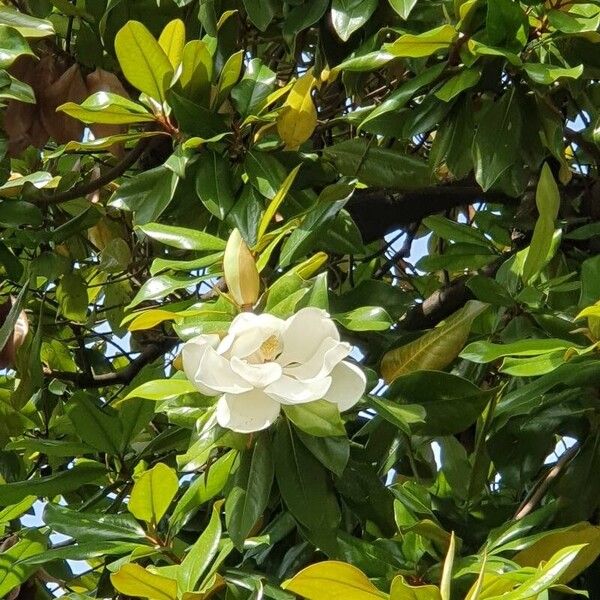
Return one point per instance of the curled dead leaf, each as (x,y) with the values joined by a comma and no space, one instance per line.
(105,81)
(21,120)
(69,87)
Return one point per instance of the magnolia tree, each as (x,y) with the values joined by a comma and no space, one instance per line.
(299,299)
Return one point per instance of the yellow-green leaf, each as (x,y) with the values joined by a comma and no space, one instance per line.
(276,201)
(550,544)
(143,61)
(423,44)
(229,75)
(589,311)
(196,68)
(298,118)
(333,580)
(104,107)
(476,589)
(547,199)
(446,581)
(152,493)
(162,389)
(311,265)
(150,318)
(172,41)
(436,349)
(400,590)
(133,580)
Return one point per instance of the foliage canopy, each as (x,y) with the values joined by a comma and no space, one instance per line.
(169,166)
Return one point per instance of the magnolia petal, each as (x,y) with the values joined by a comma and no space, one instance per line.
(192,354)
(247,320)
(249,342)
(329,354)
(347,386)
(248,412)
(248,332)
(304,333)
(215,372)
(288,390)
(257,375)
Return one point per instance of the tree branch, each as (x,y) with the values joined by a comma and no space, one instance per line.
(539,491)
(443,302)
(123,376)
(381,211)
(95,184)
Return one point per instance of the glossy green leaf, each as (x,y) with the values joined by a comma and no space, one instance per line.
(548,574)
(251,488)
(446,581)
(97,426)
(260,12)
(332,452)
(196,69)
(547,199)
(104,107)
(374,165)
(72,295)
(60,483)
(229,75)
(349,15)
(256,84)
(459,83)
(551,542)
(548,74)
(276,201)
(366,318)
(320,418)
(496,142)
(160,286)
(201,554)
(12,45)
(172,41)
(310,233)
(84,526)
(403,7)
(12,571)
(435,349)
(214,186)
(162,389)
(423,44)
(28,26)
(450,403)
(202,489)
(401,96)
(303,483)
(400,415)
(483,352)
(182,238)
(143,61)
(153,493)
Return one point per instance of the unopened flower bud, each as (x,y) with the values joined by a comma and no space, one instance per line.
(8,354)
(241,274)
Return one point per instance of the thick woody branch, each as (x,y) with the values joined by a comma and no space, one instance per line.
(380,211)
(442,303)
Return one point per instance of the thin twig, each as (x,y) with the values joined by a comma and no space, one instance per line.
(539,491)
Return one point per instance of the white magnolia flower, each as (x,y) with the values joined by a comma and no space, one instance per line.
(264,362)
